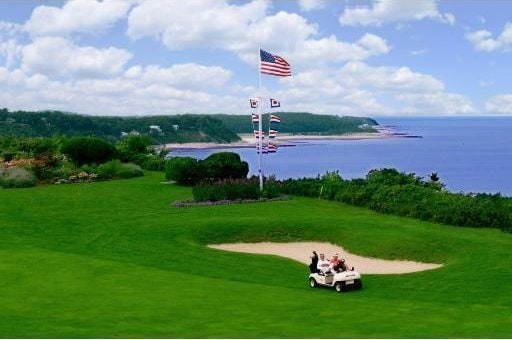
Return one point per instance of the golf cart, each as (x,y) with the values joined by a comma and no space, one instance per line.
(341,281)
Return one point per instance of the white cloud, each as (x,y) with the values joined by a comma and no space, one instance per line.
(486,83)
(483,40)
(309,5)
(10,47)
(189,75)
(386,11)
(76,16)
(52,71)
(56,56)
(139,90)
(182,24)
(241,29)
(419,52)
(501,104)
(359,89)
(436,103)
(390,79)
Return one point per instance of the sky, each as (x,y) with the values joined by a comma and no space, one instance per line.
(358,58)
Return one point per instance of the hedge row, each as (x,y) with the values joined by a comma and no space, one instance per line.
(391,192)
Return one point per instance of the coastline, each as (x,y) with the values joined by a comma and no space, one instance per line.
(288,140)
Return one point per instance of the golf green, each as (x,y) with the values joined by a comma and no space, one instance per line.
(115,259)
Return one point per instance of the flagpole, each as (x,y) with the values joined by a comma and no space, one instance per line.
(260,125)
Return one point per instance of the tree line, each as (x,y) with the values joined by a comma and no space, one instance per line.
(218,128)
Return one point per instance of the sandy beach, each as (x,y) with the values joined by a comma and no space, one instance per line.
(248,140)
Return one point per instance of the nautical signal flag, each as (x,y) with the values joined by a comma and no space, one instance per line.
(272,148)
(257,134)
(275,119)
(275,103)
(272,134)
(254,103)
(255,118)
(274,65)
(263,147)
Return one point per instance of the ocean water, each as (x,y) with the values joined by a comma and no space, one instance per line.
(469,154)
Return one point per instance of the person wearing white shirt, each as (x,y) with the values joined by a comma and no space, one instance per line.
(323,265)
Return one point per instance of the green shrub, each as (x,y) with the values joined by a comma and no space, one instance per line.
(153,163)
(271,188)
(150,162)
(392,192)
(16,177)
(184,170)
(229,189)
(133,147)
(116,170)
(223,165)
(86,150)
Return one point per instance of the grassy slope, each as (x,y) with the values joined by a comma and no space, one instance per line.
(113,259)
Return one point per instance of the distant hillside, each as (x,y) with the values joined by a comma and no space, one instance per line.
(219,128)
(176,128)
(303,123)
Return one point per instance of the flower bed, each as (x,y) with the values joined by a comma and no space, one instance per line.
(192,203)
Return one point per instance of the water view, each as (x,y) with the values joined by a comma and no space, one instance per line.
(469,154)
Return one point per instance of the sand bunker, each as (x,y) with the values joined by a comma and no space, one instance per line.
(300,251)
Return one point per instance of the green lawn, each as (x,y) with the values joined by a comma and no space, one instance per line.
(113,259)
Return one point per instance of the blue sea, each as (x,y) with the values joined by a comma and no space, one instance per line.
(469,154)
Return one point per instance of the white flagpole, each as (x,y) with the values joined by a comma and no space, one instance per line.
(260,125)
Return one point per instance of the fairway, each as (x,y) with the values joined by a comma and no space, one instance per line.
(115,259)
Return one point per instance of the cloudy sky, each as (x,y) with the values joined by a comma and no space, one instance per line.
(134,57)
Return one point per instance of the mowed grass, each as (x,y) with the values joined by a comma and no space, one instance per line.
(114,259)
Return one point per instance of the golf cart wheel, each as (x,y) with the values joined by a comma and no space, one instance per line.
(358,284)
(339,286)
(312,283)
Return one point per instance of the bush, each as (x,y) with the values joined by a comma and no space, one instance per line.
(223,165)
(86,150)
(392,192)
(271,187)
(228,189)
(16,177)
(184,170)
(116,170)
(133,146)
(150,162)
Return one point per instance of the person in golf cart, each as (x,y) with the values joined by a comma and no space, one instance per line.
(313,266)
(323,265)
(336,263)
(339,265)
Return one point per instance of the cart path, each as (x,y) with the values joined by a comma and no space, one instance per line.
(300,251)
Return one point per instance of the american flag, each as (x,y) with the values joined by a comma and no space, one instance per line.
(274,65)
